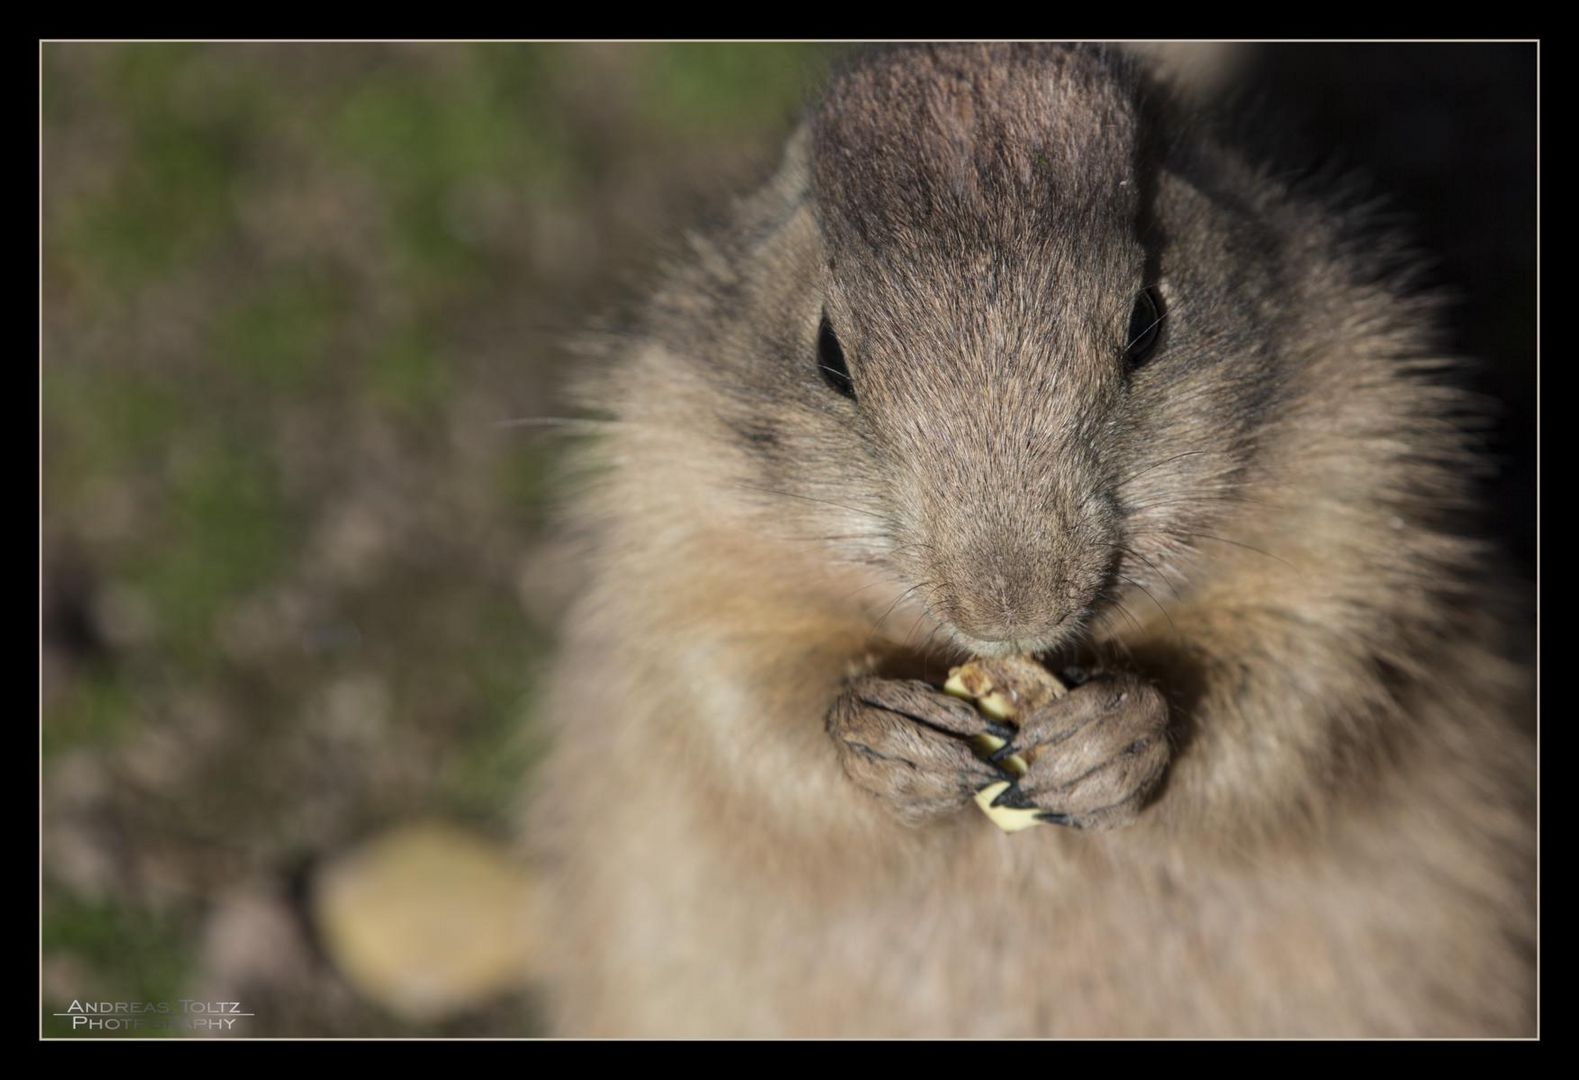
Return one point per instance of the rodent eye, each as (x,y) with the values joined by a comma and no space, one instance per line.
(830,360)
(1145,326)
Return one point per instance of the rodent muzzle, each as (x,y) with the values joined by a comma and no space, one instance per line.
(1009,594)
(1002,527)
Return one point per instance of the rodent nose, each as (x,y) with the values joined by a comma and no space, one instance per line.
(1000,630)
(1002,613)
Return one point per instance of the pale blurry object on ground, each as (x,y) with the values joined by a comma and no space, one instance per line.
(428,920)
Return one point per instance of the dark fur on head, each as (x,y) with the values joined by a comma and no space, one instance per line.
(981,219)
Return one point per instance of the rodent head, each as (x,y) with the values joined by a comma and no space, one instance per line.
(962,330)
(984,274)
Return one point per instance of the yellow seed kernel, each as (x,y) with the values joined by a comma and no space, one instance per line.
(986,744)
(997,706)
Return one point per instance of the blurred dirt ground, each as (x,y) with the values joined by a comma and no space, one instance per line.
(294,591)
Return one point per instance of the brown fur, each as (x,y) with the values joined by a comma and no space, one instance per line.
(1261,520)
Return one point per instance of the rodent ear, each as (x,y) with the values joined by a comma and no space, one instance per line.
(797,148)
(795,165)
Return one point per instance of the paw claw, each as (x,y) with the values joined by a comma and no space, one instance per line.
(1012,798)
(1049,817)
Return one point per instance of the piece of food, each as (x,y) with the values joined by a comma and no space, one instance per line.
(1008,818)
(1003,690)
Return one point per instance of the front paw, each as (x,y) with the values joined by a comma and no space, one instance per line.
(908,744)
(1094,755)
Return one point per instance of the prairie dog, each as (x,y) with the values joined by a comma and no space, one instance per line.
(1007,358)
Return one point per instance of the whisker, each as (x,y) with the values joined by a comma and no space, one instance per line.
(1209,494)
(1157,465)
(1118,606)
(1154,324)
(556,421)
(857,592)
(915,625)
(808,498)
(930,645)
(1153,599)
(1153,566)
(1247,547)
(897,601)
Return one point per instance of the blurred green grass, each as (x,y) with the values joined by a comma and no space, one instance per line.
(290,563)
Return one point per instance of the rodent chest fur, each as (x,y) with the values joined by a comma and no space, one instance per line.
(1008,358)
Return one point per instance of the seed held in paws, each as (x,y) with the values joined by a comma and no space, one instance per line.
(1004,689)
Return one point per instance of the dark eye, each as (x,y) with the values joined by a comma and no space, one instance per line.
(830,360)
(1145,324)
